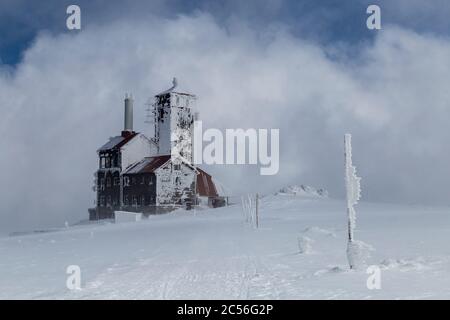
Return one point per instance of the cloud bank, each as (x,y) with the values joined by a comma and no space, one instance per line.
(66,98)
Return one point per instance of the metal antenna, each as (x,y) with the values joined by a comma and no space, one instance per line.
(149,112)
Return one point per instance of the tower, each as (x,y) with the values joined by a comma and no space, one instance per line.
(174,120)
(128,117)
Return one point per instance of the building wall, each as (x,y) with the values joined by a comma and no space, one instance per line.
(108,191)
(139,190)
(182,122)
(174,182)
(162,123)
(108,186)
(136,149)
(174,123)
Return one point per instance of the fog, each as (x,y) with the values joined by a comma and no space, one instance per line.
(65,99)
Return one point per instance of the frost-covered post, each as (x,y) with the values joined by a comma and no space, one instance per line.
(246,208)
(250,209)
(353,187)
(256,211)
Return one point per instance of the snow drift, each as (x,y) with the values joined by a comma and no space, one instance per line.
(303,191)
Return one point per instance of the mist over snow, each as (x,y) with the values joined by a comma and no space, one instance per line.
(66,98)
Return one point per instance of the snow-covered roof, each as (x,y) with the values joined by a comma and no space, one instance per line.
(117,142)
(148,164)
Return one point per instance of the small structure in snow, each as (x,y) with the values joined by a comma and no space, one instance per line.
(126,216)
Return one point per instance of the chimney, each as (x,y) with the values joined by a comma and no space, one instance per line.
(128,119)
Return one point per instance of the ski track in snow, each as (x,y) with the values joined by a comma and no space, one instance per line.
(213,254)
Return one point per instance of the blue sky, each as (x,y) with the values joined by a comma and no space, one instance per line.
(325,21)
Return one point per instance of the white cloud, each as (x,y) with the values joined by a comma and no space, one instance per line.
(65,99)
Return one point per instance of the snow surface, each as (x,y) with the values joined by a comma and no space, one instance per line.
(299,252)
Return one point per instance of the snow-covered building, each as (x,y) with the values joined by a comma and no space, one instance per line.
(154,175)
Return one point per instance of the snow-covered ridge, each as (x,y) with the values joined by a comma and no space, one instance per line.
(303,191)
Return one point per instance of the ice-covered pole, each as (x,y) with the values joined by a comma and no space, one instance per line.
(353,188)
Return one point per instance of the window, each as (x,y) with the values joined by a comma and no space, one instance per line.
(177,167)
(108,162)
(108,182)
(108,201)
(102,162)
(143,180)
(126,181)
(135,201)
(133,180)
(177,181)
(102,184)
(116,181)
(143,200)
(126,201)
(101,201)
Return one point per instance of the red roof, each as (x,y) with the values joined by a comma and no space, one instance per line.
(205,184)
(147,165)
